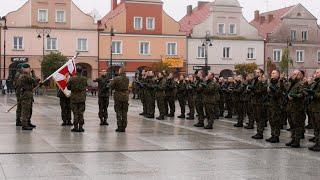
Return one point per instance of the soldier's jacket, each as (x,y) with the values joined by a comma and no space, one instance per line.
(247,94)
(27,83)
(121,86)
(314,105)
(238,91)
(170,87)
(78,86)
(181,89)
(103,86)
(199,88)
(190,89)
(16,84)
(229,91)
(160,87)
(276,92)
(260,90)
(211,92)
(296,92)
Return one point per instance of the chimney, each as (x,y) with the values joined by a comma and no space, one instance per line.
(202,3)
(114,4)
(270,18)
(262,19)
(189,10)
(257,15)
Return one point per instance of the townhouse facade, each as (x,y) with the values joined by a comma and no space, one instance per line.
(294,28)
(232,39)
(135,34)
(43,26)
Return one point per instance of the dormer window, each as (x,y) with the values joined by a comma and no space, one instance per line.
(299,14)
(150,23)
(137,23)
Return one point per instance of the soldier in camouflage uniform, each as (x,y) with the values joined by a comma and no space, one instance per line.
(142,91)
(26,83)
(121,99)
(211,98)
(308,101)
(199,99)
(223,87)
(314,107)
(295,111)
(78,85)
(103,98)
(181,96)
(18,92)
(228,97)
(160,95)
(275,91)
(170,96)
(65,108)
(248,96)
(190,88)
(238,91)
(259,90)
(150,95)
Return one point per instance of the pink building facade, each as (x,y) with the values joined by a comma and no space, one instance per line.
(43,26)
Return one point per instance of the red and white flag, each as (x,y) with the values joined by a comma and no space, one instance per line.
(62,75)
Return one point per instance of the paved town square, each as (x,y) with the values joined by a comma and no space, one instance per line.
(150,149)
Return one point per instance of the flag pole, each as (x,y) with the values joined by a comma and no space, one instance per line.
(47,79)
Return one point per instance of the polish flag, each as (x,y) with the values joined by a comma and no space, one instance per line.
(62,75)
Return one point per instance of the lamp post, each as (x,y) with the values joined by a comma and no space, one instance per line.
(111,51)
(43,33)
(289,44)
(206,44)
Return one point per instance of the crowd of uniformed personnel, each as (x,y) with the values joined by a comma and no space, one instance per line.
(276,100)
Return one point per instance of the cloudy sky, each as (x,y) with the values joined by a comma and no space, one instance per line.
(177,8)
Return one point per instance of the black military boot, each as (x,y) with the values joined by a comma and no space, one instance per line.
(27,128)
(81,129)
(142,114)
(289,143)
(190,118)
(257,136)
(295,143)
(315,148)
(199,124)
(69,123)
(32,125)
(170,115)
(160,118)
(209,126)
(18,123)
(274,139)
(238,125)
(182,116)
(64,123)
(75,129)
(269,139)
(120,129)
(312,139)
(150,116)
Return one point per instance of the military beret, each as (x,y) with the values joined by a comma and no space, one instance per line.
(25,65)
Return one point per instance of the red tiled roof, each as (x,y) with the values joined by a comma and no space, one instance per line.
(113,13)
(199,14)
(267,27)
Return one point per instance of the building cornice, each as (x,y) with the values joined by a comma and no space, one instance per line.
(145,35)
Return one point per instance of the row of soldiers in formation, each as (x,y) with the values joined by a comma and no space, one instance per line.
(276,100)
(26,82)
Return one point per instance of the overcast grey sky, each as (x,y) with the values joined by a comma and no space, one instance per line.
(177,8)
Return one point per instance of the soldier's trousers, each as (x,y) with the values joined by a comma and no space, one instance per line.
(239,108)
(258,113)
(78,111)
(200,109)
(211,109)
(221,105)
(26,111)
(161,105)
(250,113)
(150,104)
(191,104)
(284,116)
(297,121)
(310,118)
(170,103)
(18,111)
(103,108)
(182,103)
(65,109)
(143,101)
(230,107)
(316,126)
(275,120)
(121,109)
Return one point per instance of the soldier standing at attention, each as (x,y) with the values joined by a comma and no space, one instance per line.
(228,97)
(199,99)
(65,108)
(223,86)
(249,101)
(190,96)
(238,91)
(78,85)
(211,98)
(295,111)
(27,83)
(314,105)
(18,93)
(103,98)
(160,95)
(150,95)
(181,95)
(170,95)
(275,91)
(142,91)
(121,98)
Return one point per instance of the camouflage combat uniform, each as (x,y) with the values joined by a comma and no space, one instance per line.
(65,108)
(199,102)
(211,99)
(181,96)
(103,98)
(160,97)
(191,99)
(238,100)
(170,97)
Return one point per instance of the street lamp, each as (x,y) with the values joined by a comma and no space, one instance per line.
(111,51)
(289,44)
(43,33)
(206,43)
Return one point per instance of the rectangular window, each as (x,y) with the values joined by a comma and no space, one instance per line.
(318,56)
(18,43)
(60,16)
(172,49)
(221,29)
(201,52)
(232,29)
(144,48)
(52,44)
(277,53)
(150,23)
(251,53)
(82,44)
(137,23)
(116,47)
(304,35)
(300,56)
(42,15)
(226,52)
(293,35)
